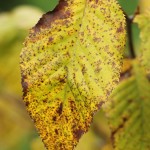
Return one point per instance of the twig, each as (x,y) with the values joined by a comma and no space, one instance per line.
(129,21)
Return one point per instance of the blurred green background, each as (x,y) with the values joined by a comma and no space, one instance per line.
(17,131)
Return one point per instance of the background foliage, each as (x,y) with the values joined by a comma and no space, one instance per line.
(16,129)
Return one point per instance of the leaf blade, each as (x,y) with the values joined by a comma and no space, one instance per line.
(128,114)
(143,21)
(64,68)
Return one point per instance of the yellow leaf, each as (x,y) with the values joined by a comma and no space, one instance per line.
(144,5)
(37,144)
(70,64)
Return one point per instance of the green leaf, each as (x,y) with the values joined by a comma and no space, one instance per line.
(129,112)
(53,4)
(143,21)
(129,6)
(70,64)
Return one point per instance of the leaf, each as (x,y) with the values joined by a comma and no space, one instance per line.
(37,144)
(70,64)
(144,5)
(143,21)
(129,7)
(129,112)
(53,4)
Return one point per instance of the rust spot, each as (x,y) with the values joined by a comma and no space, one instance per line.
(27,104)
(25,88)
(78,133)
(45,100)
(54,118)
(100,105)
(72,105)
(96,39)
(120,29)
(84,70)
(59,110)
(24,85)
(62,80)
(51,39)
(56,131)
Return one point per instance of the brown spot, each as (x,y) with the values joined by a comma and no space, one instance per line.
(84,70)
(51,39)
(56,131)
(72,105)
(45,100)
(100,105)
(54,118)
(24,85)
(78,133)
(62,80)
(96,39)
(27,104)
(25,88)
(120,29)
(59,110)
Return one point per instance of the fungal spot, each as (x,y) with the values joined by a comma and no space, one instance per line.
(25,86)
(60,108)
(120,29)
(50,39)
(56,131)
(27,103)
(54,118)
(78,133)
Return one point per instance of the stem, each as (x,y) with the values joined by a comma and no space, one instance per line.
(130,37)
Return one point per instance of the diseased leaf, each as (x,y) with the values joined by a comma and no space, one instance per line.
(129,112)
(143,21)
(70,64)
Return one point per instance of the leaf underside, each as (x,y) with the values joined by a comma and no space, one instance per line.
(129,112)
(70,64)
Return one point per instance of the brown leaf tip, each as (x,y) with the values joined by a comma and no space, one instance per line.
(50,17)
